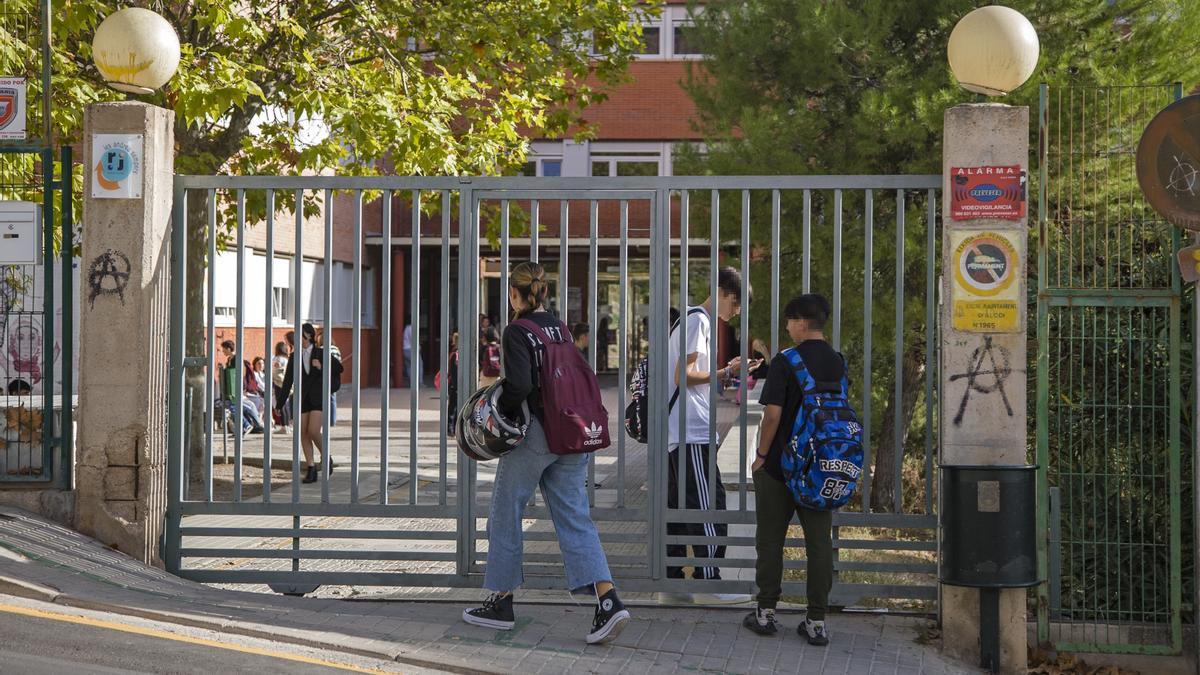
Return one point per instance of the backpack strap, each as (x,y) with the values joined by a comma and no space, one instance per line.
(807,386)
(675,395)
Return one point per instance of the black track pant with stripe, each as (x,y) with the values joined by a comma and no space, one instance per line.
(697,496)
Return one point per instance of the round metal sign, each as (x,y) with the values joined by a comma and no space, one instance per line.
(1168,163)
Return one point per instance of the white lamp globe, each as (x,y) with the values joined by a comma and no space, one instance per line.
(993,50)
(136,50)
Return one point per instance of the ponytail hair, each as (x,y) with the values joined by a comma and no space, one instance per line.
(529,278)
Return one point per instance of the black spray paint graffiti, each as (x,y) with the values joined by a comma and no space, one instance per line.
(985,381)
(108,275)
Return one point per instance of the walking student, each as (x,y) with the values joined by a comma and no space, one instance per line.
(693,396)
(311,395)
(783,399)
(531,464)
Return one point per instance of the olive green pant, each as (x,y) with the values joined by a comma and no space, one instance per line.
(774,506)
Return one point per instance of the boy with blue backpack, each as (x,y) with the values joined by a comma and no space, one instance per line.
(809,461)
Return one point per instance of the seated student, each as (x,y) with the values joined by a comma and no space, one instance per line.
(774,505)
(251,421)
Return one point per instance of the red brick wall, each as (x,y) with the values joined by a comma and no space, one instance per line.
(652,106)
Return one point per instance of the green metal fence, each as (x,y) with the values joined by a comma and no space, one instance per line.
(1109,384)
(37,297)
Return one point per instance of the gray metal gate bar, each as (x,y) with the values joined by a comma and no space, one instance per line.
(416,371)
(356,345)
(444,395)
(239,338)
(211,341)
(385,349)
(868,297)
(268,346)
(327,349)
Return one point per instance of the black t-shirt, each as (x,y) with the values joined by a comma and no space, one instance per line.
(522,358)
(783,389)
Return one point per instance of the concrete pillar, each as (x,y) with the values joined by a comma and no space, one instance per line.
(983,369)
(124,319)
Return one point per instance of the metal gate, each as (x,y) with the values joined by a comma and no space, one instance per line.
(1109,386)
(403,508)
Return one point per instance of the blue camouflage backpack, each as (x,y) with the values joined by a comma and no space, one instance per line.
(823,459)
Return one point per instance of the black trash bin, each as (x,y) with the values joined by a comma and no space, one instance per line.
(989,517)
(988,539)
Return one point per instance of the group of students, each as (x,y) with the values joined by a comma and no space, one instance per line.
(562,478)
(312,400)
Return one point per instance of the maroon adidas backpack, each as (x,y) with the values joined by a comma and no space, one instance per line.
(575,419)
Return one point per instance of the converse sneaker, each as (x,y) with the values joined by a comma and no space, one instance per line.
(611,617)
(762,621)
(496,612)
(814,631)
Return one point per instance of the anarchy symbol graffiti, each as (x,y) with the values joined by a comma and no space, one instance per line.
(108,275)
(1183,177)
(986,373)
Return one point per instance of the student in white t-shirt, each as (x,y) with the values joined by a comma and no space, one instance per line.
(695,394)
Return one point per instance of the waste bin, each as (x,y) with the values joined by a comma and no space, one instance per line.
(989,517)
(988,539)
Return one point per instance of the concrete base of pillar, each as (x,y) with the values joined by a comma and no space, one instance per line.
(960,629)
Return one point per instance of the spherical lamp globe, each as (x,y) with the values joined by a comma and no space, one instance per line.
(993,50)
(136,50)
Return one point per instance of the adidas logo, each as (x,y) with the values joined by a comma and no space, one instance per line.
(593,432)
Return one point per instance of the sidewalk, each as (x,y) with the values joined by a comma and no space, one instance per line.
(44,561)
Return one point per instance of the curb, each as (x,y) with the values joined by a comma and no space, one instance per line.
(34,591)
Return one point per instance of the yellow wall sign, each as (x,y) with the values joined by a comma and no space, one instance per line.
(985,289)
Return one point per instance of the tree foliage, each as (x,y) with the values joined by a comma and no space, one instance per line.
(443,87)
(813,87)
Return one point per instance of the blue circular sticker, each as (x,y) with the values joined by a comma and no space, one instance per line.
(116,165)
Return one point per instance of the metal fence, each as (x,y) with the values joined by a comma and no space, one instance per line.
(1109,381)
(409,510)
(38,307)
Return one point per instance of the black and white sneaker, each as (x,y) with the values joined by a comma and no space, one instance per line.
(496,612)
(611,617)
(814,632)
(762,621)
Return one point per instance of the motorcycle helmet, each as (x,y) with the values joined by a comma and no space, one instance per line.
(482,431)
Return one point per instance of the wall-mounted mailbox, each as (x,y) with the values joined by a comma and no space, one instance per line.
(20,233)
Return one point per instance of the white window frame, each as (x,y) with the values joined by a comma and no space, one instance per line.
(670,17)
(615,153)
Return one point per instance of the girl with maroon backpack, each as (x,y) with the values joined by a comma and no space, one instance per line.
(552,455)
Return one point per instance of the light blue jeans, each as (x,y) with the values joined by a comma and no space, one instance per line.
(563,480)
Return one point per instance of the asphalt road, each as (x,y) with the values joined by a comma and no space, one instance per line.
(42,641)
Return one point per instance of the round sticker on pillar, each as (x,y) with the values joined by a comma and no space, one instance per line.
(986,264)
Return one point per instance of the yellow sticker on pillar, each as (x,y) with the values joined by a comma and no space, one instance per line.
(985,291)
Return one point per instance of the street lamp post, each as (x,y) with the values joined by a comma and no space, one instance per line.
(136,50)
(988,516)
(993,50)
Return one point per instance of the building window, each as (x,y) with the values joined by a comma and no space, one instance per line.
(687,39)
(281,303)
(625,159)
(636,168)
(368,298)
(224,311)
(542,166)
(651,40)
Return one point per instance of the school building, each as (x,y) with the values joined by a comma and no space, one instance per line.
(638,131)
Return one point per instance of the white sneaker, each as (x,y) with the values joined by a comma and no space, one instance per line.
(721,598)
